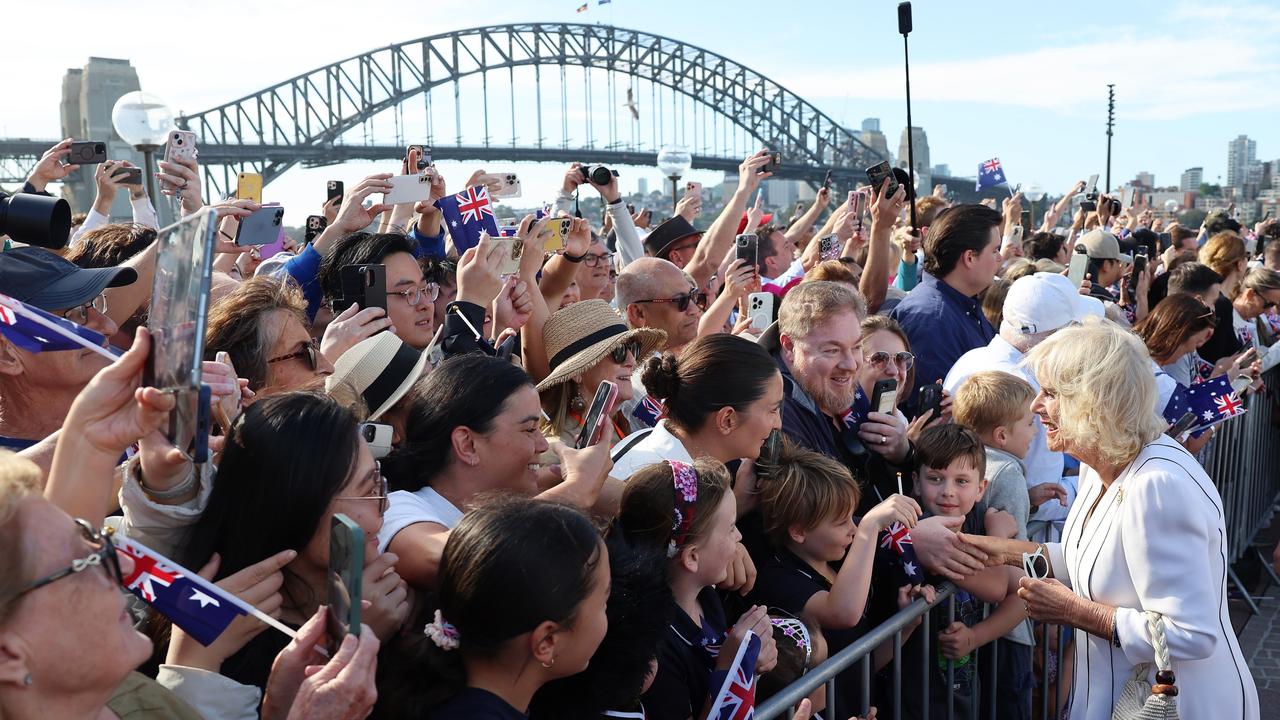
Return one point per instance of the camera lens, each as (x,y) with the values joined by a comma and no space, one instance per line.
(369,432)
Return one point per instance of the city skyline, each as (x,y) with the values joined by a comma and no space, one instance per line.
(1029,87)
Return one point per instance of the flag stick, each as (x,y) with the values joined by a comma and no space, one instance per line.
(42,322)
(900,485)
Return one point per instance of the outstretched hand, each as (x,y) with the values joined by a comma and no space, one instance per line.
(114,410)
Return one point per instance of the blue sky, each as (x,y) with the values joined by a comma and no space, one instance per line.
(1022,81)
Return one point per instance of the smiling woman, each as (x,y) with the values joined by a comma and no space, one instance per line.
(1144,543)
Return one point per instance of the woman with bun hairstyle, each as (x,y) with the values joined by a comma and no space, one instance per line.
(523,589)
(687,512)
(722,396)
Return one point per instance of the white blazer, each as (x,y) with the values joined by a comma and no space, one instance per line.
(1156,541)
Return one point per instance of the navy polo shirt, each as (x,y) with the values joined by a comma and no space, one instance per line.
(942,324)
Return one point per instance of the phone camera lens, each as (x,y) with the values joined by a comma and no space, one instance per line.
(369,433)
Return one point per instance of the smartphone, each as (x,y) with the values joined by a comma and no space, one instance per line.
(877,174)
(512,251)
(180,146)
(262,227)
(826,181)
(1241,384)
(858,205)
(333,190)
(424,156)
(829,247)
(770,449)
(1025,219)
(597,415)
(1139,266)
(315,225)
(884,396)
(345,580)
(408,189)
(87,152)
(1079,265)
(200,440)
(1091,188)
(747,247)
(555,232)
(227,408)
(364,284)
(760,310)
(775,159)
(693,187)
(1184,424)
(931,400)
(1127,196)
(130,176)
(1015,235)
(378,435)
(249,187)
(501,185)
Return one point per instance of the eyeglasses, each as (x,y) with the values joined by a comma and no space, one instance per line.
(592,260)
(310,351)
(904,360)
(413,296)
(619,354)
(104,556)
(379,487)
(682,300)
(80,314)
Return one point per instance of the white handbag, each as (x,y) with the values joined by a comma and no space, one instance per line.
(1139,700)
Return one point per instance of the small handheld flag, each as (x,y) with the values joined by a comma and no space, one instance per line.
(897,538)
(736,699)
(990,174)
(1212,401)
(468,214)
(35,330)
(203,610)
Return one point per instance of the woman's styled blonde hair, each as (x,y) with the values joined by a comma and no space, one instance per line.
(1106,390)
(19,479)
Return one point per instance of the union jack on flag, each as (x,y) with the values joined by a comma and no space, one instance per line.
(194,604)
(1228,405)
(468,214)
(737,690)
(990,174)
(1212,401)
(474,202)
(897,538)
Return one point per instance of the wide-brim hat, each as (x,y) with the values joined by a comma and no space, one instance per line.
(381,368)
(658,243)
(581,335)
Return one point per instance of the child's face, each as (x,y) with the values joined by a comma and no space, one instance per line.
(718,543)
(830,540)
(1020,434)
(951,491)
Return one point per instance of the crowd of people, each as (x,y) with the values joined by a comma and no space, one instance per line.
(748,492)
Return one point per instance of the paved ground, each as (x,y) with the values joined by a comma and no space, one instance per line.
(1260,634)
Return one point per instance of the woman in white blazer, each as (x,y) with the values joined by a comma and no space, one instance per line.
(1146,533)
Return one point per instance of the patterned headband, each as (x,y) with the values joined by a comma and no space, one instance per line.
(797,631)
(686,490)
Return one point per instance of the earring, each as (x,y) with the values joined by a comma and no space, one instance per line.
(29,681)
(545,665)
(578,402)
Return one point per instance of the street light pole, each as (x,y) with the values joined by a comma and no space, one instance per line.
(149,161)
(675,180)
(1111,121)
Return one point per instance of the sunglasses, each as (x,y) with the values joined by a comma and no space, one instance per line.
(104,556)
(308,351)
(682,300)
(903,360)
(619,354)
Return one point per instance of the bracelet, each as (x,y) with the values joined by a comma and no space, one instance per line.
(574,258)
(176,491)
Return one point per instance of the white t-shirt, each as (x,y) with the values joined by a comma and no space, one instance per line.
(656,445)
(409,508)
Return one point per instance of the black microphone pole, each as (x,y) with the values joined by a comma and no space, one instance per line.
(904,27)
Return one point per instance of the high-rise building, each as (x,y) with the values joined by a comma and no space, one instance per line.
(1145,180)
(642,186)
(88,95)
(871,136)
(920,152)
(1191,179)
(1240,152)
(871,125)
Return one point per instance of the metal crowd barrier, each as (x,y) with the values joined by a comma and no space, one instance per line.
(1244,463)
(1243,460)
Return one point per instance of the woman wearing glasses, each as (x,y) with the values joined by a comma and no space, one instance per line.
(1144,545)
(588,343)
(262,325)
(886,355)
(291,462)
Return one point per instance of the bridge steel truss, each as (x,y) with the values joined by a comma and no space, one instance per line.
(302,119)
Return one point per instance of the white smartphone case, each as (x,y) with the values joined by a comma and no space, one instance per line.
(760,310)
(408,189)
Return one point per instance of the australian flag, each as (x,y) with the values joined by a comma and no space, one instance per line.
(648,411)
(990,174)
(468,214)
(737,688)
(897,539)
(194,604)
(35,330)
(857,413)
(1212,401)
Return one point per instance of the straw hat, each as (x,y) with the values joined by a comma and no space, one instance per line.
(582,334)
(381,368)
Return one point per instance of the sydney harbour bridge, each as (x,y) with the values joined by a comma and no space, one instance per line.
(543,92)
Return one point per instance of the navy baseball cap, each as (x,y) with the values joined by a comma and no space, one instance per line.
(42,279)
